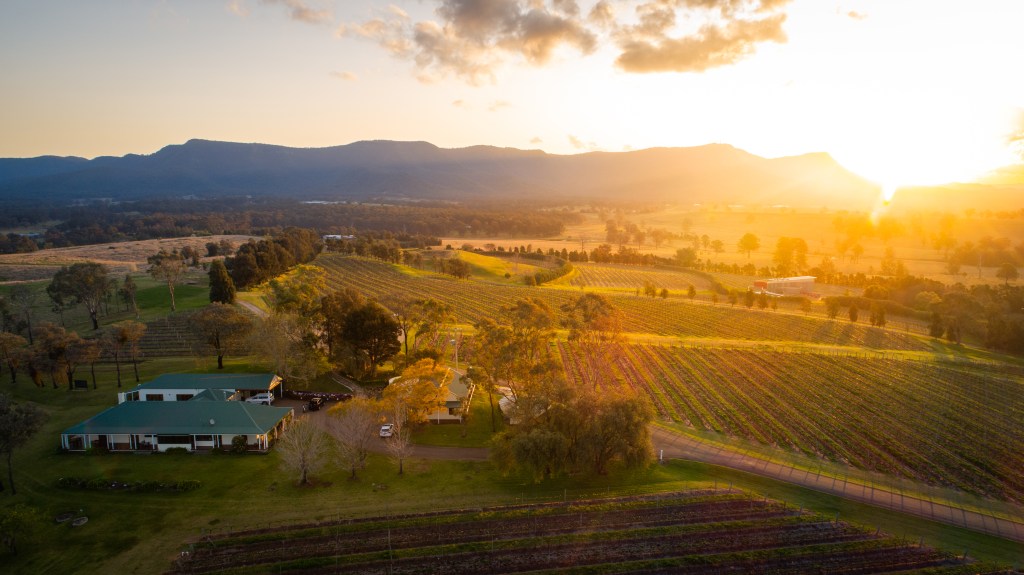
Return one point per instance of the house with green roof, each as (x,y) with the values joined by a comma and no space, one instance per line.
(193,411)
(185,386)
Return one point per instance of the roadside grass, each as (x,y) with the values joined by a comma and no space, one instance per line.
(476,432)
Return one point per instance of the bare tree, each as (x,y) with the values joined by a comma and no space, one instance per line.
(353,425)
(23,299)
(399,445)
(304,449)
(168,268)
(222,328)
(127,334)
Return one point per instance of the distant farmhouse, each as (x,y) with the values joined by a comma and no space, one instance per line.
(799,285)
(196,412)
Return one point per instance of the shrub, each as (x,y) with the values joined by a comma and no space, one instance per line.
(239,444)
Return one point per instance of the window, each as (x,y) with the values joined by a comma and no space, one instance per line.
(183,397)
(154,397)
(206,438)
(174,439)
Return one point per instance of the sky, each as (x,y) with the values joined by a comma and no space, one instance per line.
(904,92)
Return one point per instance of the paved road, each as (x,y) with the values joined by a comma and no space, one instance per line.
(677,446)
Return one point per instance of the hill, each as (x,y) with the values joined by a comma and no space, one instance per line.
(715,173)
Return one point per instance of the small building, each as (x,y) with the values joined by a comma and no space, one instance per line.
(799,285)
(222,386)
(196,425)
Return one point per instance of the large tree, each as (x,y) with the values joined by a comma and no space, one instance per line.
(406,312)
(372,331)
(124,339)
(419,392)
(748,243)
(512,352)
(127,292)
(304,449)
(222,288)
(280,338)
(18,422)
(84,283)
(221,327)
(354,425)
(11,346)
(580,429)
(23,300)
(595,332)
(335,308)
(168,268)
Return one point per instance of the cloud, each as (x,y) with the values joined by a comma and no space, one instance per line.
(581,145)
(238,8)
(347,76)
(536,140)
(498,104)
(460,104)
(855,15)
(473,39)
(301,11)
(712,46)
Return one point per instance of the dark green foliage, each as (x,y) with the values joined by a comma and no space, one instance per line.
(81,283)
(372,332)
(854,312)
(18,423)
(105,484)
(936,328)
(239,444)
(256,262)
(222,288)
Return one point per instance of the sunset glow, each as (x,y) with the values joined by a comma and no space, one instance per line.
(903,93)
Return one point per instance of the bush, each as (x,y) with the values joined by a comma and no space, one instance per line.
(144,486)
(176,451)
(239,444)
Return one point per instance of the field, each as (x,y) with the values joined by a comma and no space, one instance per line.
(120,258)
(728,223)
(920,420)
(924,421)
(675,317)
(698,531)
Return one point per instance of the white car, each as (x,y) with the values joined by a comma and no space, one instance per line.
(387,429)
(264,398)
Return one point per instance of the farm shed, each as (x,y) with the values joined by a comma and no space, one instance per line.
(799,285)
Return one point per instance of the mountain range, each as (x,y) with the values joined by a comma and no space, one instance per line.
(389,170)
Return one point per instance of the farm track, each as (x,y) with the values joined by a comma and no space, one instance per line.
(703,531)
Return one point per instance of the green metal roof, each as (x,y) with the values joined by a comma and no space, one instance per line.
(213,395)
(183,418)
(247,381)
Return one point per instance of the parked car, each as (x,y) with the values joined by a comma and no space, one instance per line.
(264,398)
(387,429)
(315,404)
